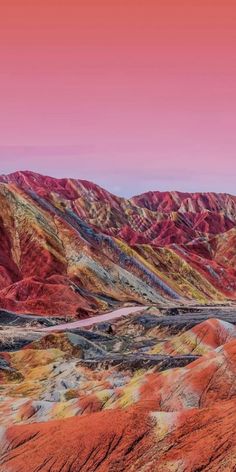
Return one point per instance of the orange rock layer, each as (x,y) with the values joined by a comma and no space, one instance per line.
(58,415)
(69,248)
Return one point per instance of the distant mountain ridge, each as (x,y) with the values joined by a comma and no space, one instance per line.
(70,248)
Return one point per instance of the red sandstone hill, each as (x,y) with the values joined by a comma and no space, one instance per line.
(70,248)
(59,413)
(141,394)
(126,440)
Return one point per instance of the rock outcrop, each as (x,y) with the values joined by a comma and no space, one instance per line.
(85,250)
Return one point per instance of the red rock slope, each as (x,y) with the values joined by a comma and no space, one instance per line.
(59,415)
(130,440)
(70,248)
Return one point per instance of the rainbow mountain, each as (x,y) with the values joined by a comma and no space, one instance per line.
(69,248)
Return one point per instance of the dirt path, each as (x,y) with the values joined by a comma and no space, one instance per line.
(112,315)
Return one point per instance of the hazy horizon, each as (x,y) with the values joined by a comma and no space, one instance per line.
(126,194)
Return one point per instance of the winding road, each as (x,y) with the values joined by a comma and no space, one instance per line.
(112,315)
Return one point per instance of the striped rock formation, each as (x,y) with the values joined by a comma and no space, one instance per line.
(57,414)
(71,249)
(152,391)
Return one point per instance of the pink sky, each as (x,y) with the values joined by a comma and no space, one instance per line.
(132,94)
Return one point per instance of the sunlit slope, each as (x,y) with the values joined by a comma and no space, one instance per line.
(70,248)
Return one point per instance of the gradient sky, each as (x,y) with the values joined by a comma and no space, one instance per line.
(132,94)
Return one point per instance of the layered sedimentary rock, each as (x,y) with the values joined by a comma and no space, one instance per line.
(58,412)
(150,390)
(126,440)
(199,340)
(69,248)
